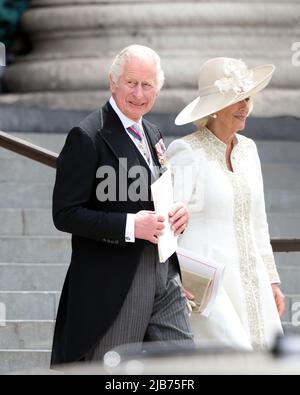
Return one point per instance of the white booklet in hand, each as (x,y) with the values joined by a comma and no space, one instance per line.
(163,198)
(202,278)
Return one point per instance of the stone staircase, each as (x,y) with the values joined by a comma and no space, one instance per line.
(281,170)
(34,256)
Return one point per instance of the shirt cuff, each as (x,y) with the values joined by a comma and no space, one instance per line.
(129,232)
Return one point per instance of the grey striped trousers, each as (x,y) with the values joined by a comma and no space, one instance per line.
(155,309)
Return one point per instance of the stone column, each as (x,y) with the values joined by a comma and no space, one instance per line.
(74,42)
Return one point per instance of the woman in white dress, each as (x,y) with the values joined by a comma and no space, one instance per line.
(217,173)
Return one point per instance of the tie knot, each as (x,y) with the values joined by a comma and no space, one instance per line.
(136,131)
(138,128)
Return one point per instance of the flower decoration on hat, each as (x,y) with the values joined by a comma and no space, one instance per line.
(238,77)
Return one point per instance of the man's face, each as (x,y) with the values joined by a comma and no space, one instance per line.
(136,91)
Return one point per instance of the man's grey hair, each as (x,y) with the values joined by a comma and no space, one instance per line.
(139,52)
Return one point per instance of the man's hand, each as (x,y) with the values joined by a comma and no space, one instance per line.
(188,295)
(279,299)
(190,301)
(149,226)
(179,218)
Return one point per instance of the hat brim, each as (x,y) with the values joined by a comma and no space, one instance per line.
(207,105)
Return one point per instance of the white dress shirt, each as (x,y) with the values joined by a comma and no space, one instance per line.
(127,123)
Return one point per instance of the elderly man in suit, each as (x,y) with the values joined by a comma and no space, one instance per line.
(116,291)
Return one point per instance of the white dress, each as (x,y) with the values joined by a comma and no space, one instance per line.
(228,224)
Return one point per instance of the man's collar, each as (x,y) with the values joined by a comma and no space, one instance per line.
(125,120)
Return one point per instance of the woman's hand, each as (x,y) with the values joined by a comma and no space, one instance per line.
(179,218)
(279,299)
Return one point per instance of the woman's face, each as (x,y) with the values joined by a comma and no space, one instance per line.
(234,117)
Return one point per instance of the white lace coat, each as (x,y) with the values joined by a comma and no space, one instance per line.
(229,224)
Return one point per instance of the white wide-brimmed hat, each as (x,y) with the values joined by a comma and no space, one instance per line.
(222,82)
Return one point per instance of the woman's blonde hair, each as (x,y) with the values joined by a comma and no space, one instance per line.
(202,122)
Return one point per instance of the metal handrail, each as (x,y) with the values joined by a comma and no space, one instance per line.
(285,245)
(31,151)
(48,158)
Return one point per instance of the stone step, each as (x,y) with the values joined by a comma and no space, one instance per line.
(38,222)
(27,335)
(278,175)
(47,249)
(27,222)
(28,277)
(279,151)
(25,170)
(282,201)
(15,360)
(28,306)
(35,249)
(270,151)
(281,176)
(288,265)
(25,195)
(38,335)
(21,335)
(290,279)
(291,259)
(50,277)
(39,195)
(284,225)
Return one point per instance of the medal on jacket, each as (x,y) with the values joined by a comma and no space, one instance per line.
(161,150)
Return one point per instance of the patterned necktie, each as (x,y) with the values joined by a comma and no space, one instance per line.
(140,138)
